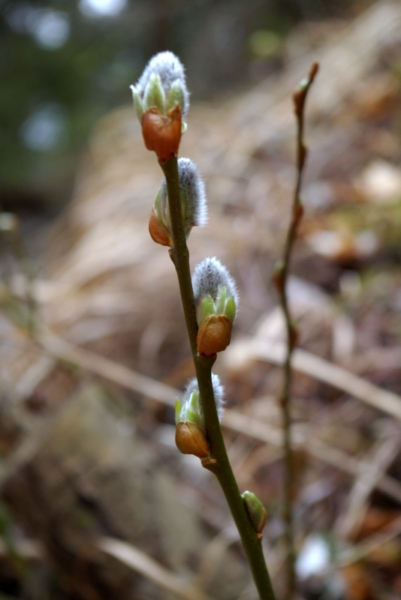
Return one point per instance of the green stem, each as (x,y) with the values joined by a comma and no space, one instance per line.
(219,463)
(297,211)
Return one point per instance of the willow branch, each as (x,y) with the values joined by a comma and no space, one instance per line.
(218,463)
(280,279)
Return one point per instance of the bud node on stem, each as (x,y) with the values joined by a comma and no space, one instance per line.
(256,511)
(208,462)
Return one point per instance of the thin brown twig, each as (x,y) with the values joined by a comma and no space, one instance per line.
(280,279)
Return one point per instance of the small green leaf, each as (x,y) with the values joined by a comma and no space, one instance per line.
(230,309)
(154,94)
(178,407)
(176,96)
(256,511)
(221,300)
(193,402)
(195,417)
(207,307)
(137,103)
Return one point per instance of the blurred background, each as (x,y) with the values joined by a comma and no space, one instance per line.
(65,64)
(95,500)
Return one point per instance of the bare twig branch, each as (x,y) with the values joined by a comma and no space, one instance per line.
(280,279)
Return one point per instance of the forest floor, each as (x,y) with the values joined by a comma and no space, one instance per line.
(101,320)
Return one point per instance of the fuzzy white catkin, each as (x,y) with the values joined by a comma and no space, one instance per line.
(170,69)
(209,276)
(192,193)
(218,390)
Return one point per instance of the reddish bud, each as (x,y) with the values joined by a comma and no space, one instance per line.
(161,133)
(214,334)
(158,232)
(301,91)
(313,71)
(190,439)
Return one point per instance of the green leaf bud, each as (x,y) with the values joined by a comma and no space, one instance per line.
(216,304)
(193,204)
(256,511)
(192,410)
(170,72)
(212,279)
(221,299)
(190,407)
(154,94)
(138,105)
(161,101)
(178,407)
(230,309)
(206,307)
(176,95)
(190,423)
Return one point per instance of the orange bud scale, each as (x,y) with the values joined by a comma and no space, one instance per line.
(161,133)
(158,232)
(190,439)
(214,334)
